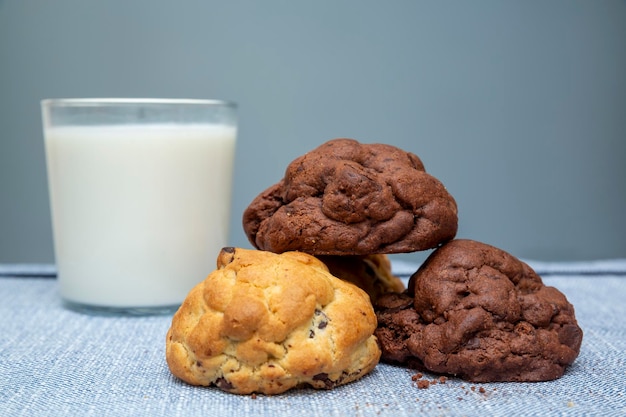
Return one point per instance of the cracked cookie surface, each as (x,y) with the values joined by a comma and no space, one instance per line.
(349,198)
(265,323)
(477,312)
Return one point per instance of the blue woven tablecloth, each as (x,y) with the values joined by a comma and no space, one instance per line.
(57,362)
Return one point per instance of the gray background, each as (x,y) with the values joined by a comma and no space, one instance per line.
(518,107)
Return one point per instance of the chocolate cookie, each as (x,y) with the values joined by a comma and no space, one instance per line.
(348,198)
(475,311)
(371,273)
(266,323)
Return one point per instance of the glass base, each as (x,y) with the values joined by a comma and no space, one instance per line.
(97,310)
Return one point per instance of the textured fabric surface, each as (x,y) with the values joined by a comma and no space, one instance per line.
(57,362)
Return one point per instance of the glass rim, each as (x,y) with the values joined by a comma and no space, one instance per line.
(107,101)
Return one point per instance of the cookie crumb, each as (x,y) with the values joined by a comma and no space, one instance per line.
(481,390)
(253,396)
(423,384)
(443,379)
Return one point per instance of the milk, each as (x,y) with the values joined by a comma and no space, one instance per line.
(139,212)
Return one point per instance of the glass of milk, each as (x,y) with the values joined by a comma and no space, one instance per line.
(140,195)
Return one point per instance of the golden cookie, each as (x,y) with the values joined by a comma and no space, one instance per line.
(263,322)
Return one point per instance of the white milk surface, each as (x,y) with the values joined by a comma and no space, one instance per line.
(139,213)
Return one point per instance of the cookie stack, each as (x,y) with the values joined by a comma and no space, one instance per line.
(317,304)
